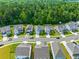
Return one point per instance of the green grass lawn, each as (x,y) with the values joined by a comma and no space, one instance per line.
(78,31)
(12,30)
(50,51)
(75,30)
(77,41)
(42,34)
(68,33)
(0,37)
(9,50)
(54,33)
(13,48)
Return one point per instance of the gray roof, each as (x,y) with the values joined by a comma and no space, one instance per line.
(47,29)
(73,47)
(39,27)
(41,52)
(29,28)
(76,50)
(73,25)
(23,50)
(5,29)
(60,53)
(57,49)
(62,27)
(18,26)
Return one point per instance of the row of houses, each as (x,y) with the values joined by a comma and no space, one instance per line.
(28,30)
(23,51)
(72,26)
(6,31)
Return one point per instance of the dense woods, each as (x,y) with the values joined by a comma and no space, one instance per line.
(37,12)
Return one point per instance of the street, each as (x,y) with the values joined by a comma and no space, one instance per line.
(67,39)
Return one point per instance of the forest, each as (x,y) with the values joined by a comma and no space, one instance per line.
(37,12)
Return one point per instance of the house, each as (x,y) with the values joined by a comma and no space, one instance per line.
(41,52)
(8,30)
(77,24)
(48,29)
(23,51)
(62,28)
(5,31)
(18,29)
(57,51)
(73,50)
(73,26)
(38,29)
(29,29)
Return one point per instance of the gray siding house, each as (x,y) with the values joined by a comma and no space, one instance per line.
(57,51)
(73,50)
(41,52)
(23,51)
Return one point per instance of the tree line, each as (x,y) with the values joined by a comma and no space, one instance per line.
(38,12)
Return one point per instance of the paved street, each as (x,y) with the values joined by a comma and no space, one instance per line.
(73,37)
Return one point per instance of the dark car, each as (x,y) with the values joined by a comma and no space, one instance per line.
(31,37)
(10,39)
(3,33)
(1,45)
(58,38)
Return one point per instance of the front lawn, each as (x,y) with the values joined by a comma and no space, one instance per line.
(8,51)
(0,37)
(68,33)
(42,34)
(54,33)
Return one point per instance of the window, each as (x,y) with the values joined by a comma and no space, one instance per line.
(76,57)
(22,57)
(60,58)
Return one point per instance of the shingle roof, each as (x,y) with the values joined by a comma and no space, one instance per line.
(73,25)
(57,50)
(76,50)
(23,50)
(47,28)
(41,52)
(29,28)
(62,28)
(5,29)
(17,26)
(73,47)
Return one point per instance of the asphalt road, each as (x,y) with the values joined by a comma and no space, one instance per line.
(69,38)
